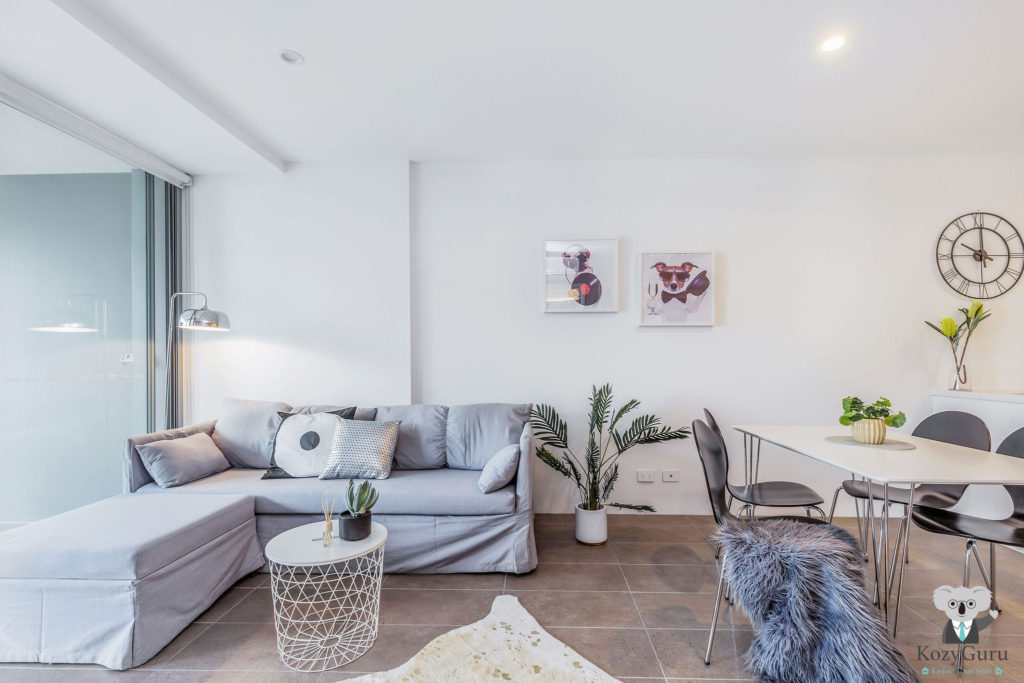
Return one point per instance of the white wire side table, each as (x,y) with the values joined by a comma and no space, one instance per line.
(326,600)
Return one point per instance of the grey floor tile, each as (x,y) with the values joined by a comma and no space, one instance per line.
(596,608)
(671,578)
(256,607)
(551,576)
(620,652)
(223,604)
(493,581)
(447,607)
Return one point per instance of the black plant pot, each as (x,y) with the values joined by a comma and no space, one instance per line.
(355,528)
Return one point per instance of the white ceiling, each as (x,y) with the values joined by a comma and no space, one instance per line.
(536,79)
(29,147)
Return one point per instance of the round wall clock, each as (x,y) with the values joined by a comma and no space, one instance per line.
(980,255)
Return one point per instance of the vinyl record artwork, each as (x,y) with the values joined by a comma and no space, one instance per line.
(581,276)
(677,288)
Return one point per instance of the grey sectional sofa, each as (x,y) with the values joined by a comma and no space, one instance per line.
(438,521)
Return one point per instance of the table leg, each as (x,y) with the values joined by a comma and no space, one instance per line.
(870,519)
(903,562)
(884,592)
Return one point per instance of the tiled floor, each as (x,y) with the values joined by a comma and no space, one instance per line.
(639,607)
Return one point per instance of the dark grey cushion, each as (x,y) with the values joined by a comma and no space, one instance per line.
(245,431)
(500,470)
(476,432)
(421,436)
(178,461)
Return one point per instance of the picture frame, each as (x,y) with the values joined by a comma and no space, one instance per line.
(677,289)
(581,276)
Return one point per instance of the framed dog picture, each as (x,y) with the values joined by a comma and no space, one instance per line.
(581,276)
(677,288)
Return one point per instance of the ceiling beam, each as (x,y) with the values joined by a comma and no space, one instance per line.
(38,107)
(130,49)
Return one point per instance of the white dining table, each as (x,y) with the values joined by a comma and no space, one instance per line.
(928,462)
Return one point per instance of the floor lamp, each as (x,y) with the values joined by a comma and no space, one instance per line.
(190,319)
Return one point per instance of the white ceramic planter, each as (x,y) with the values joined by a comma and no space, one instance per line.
(870,431)
(591,525)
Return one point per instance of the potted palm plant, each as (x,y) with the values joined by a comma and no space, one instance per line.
(595,471)
(357,520)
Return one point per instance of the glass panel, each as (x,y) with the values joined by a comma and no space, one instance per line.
(76,280)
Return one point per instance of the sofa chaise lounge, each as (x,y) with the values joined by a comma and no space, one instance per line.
(438,521)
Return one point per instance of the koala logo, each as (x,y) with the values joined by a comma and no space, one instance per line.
(962,606)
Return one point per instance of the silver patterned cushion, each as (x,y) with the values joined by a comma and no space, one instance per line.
(362,450)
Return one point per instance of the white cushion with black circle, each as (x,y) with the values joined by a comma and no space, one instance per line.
(304,443)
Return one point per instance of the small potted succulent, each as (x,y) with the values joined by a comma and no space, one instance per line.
(868,422)
(356,521)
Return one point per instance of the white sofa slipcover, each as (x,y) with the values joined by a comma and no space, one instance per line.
(113,582)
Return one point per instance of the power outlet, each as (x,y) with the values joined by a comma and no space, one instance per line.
(645,475)
(670,475)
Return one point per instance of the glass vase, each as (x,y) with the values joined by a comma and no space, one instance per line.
(959,378)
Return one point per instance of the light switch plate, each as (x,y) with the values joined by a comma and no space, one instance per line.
(670,475)
(645,475)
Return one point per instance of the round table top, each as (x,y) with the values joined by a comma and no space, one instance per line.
(303,546)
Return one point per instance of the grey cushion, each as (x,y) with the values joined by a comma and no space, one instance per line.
(421,436)
(361,449)
(499,470)
(124,537)
(245,431)
(178,461)
(476,432)
(444,492)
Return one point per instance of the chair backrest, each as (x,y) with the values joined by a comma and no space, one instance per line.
(1013,445)
(716,469)
(956,427)
(959,428)
(713,423)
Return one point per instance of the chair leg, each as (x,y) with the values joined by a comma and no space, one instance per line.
(819,511)
(714,617)
(992,569)
(832,510)
(967,562)
(895,553)
(989,581)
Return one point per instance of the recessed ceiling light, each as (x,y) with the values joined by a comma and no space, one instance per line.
(292,57)
(832,44)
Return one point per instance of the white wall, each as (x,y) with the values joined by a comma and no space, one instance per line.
(312,266)
(826,270)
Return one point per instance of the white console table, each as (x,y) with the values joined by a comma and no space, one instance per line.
(1004,414)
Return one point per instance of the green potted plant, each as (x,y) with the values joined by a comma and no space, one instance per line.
(356,521)
(955,334)
(595,471)
(868,422)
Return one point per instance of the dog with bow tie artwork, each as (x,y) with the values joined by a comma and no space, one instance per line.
(677,289)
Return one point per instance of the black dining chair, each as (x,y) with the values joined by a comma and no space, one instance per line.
(950,426)
(715,463)
(1009,531)
(777,494)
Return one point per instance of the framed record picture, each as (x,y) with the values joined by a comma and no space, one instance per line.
(677,288)
(581,276)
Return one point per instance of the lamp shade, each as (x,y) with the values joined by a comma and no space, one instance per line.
(204,319)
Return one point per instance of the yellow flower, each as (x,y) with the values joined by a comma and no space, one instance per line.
(974,310)
(949,327)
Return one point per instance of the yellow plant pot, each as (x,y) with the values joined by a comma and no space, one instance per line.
(869,431)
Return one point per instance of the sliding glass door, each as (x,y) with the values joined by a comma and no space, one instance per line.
(82,266)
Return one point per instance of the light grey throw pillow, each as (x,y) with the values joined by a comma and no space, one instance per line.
(362,450)
(499,470)
(245,431)
(173,462)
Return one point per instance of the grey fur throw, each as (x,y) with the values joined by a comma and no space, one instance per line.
(802,586)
